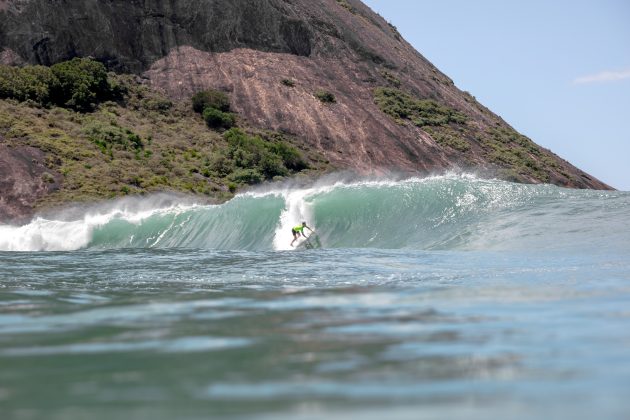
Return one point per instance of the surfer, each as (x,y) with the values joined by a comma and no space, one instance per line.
(296,231)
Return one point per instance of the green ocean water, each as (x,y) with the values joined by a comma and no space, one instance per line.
(446,297)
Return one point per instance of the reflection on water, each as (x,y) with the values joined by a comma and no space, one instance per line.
(332,334)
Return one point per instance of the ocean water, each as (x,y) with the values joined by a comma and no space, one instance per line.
(439,298)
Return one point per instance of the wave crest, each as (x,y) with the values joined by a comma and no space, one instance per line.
(435,213)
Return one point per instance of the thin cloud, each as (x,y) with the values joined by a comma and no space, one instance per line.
(603,77)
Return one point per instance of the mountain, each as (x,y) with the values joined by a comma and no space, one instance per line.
(330,73)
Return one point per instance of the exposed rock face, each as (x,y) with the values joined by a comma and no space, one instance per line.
(247,47)
(24,178)
(352,132)
(129,36)
(8,57)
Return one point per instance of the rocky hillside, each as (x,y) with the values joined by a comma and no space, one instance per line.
(331,73)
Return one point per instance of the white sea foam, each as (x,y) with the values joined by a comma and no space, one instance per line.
(72,228)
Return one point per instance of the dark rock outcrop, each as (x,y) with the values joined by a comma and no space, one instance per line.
(24,179)
(129,36)
(247,47)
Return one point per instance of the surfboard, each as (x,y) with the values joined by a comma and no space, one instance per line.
(312,242)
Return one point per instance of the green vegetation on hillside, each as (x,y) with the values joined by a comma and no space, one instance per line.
(390,78)
(449,137)
(218,119)
(214,106)
(523,157)
(519,158)
(325,97)
(421,112)
(79,84)
(114,136)
(250,159)
(347,6)
(210,98)
(110,137)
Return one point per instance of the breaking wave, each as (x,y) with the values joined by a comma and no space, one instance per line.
(435,213)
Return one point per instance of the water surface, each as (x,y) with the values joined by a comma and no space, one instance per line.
(447,297)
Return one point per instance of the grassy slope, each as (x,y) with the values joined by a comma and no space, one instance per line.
(518,158)
(178,152)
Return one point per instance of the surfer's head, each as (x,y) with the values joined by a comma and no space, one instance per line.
(303,223)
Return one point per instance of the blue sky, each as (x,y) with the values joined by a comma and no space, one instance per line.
(558,71)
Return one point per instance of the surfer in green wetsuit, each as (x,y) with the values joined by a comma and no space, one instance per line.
(296,231)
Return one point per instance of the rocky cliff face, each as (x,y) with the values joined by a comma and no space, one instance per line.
(24,179)
(248,47)
(130,36)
